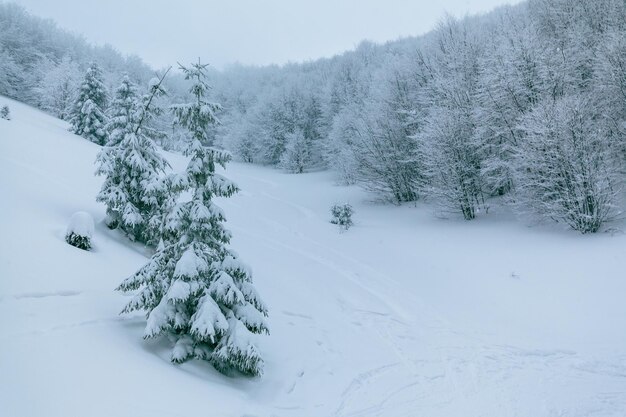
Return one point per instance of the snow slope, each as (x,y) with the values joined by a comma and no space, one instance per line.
(403,315)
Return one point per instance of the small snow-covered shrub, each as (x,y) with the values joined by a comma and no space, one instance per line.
(342,215)
(80,230)
(5,113)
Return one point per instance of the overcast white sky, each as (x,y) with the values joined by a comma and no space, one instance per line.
(261,32)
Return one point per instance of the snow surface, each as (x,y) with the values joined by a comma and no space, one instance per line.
(403,315)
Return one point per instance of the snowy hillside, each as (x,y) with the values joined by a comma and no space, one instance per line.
(403,315)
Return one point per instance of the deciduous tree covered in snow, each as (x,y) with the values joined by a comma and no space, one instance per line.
(568,164)
(451,153)
(58,86)
(380,139)
(297,154)
(194,288)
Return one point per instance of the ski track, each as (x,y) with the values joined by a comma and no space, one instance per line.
(73,326)
(60,293)
(358,382)
(359,272)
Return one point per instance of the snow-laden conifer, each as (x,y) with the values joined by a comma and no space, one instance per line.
(194,288)
(87,117)
(5,113)
(123,112)
(342,215)
(134,191)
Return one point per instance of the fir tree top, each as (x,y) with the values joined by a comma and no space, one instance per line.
(135,191)
(93,87)
(87,116)
(198,115)
(123,111)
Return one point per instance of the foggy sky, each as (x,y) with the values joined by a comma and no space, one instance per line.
(258,32)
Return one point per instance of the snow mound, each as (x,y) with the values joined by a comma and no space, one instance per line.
(81,224)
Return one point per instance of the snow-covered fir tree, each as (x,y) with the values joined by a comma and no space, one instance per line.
(87,117)
(135,191)
(342,215)
(5,113)
(122,112)
(194,288)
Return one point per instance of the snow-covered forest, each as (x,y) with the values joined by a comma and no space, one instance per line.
(394,230)
(525,103)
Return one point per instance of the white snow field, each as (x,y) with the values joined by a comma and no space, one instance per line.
(405,314)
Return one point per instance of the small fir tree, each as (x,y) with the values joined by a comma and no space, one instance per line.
(342,215)
(87,117)
(135,191)
(194,288)
(123,112)
(5,113)
(151,119)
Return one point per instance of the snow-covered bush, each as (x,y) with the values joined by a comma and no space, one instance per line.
(342,215)
(80,230)
(5,113)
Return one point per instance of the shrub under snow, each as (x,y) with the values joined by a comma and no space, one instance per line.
(5,113)
(80,230)
(342,215)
